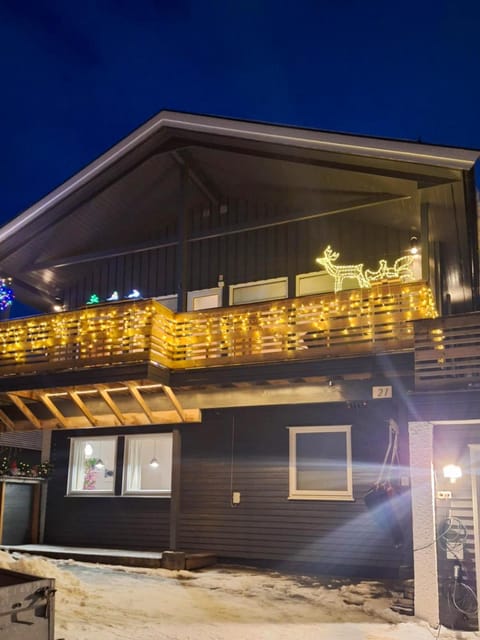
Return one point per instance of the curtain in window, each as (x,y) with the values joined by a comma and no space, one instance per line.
(78,465)
(134,466)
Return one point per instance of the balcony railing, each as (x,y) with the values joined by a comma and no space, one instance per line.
(347,323)
(447,352)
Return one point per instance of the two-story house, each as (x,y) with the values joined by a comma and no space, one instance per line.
(235,340)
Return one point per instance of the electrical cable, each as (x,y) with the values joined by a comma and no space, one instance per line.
(442,538)
(460,596)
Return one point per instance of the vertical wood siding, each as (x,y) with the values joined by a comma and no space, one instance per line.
(258,254)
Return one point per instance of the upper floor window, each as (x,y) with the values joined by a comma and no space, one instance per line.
(148,464)
(320,463)
(92,465)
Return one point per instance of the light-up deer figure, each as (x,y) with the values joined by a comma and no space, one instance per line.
(342,271)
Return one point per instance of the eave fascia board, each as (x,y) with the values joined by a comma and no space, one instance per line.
(430,155)
(381,148)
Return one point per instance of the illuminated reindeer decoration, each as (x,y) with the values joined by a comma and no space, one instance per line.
(400,270)
(340,272)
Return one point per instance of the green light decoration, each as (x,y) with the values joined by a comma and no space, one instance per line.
(95,299)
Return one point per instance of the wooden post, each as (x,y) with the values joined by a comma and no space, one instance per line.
(2,509)
(182,245)
(176,488)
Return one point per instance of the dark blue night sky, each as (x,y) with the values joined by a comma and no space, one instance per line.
(78,76)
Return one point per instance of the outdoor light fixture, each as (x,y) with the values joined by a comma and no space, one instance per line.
(452,472)
(414,245)
(88,450)
(58,305)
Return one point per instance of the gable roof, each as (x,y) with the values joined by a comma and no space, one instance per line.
(97,211)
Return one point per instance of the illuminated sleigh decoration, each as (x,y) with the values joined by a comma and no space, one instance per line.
(400,270)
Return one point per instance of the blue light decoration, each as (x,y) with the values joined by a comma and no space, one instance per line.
(6,294)
(113,297)
(134,293)
(94,299)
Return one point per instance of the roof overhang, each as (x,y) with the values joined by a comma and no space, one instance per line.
(377,148)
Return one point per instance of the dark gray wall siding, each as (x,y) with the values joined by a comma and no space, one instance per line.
(284,250)
(247,451)
(17,514)
(116,522)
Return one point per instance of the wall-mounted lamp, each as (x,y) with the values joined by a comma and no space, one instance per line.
(58,305)
(414,245)
(452,472)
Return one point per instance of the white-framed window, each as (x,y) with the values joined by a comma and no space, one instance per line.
(147,467)
(92,463)
(320,463)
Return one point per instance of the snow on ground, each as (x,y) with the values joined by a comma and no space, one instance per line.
(218,603)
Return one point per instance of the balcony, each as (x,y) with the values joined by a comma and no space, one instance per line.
(447,353)
(110,364)
(358,322)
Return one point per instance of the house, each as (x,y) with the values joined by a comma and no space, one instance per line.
(239,341)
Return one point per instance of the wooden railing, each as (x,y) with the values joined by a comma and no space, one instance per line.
(346,323)
(95,336)
(447,352)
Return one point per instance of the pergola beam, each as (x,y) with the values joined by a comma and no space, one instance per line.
(174,400)
(141,401)
(31,417)
(54,410)
(80,404)
(7,421)
(103,391)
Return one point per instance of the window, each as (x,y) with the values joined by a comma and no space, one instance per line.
(148,465)
(92,466)
(321,463)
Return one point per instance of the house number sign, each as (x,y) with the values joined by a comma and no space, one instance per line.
(381,392)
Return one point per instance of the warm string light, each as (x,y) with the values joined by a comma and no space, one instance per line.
(381,313)
(113,330)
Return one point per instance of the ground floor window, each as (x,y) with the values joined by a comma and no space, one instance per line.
(92,465)
(320,463)
(148,464)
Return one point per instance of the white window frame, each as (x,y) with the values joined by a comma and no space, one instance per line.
(258,291)
(301,494)
(154,493)
(204,299)
(71,474)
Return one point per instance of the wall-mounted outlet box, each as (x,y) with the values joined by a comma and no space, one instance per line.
(444,495)
(236,497)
